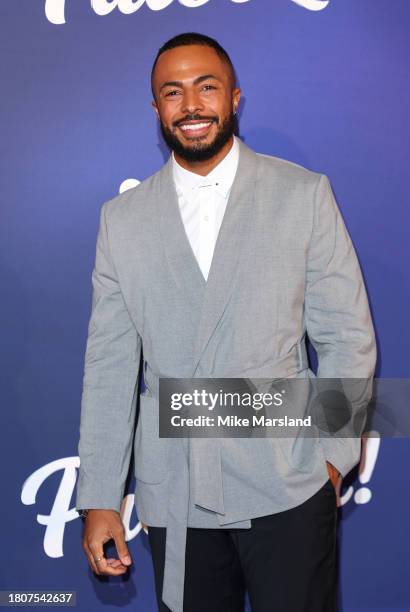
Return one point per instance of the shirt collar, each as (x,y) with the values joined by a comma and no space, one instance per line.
(222,176)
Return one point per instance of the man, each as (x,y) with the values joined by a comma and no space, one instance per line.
(218,266)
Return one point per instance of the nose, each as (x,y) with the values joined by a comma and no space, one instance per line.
(191,102)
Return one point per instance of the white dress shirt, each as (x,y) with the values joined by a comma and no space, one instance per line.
(202,201)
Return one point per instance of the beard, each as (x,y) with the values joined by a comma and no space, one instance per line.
(199,151)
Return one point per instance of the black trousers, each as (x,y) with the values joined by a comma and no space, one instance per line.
(287,562)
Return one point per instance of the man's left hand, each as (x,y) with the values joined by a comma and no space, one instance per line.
(334,475)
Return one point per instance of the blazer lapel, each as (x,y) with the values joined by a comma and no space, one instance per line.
(184,266)
(228,249)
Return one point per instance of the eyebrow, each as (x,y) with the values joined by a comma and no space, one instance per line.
(198,80)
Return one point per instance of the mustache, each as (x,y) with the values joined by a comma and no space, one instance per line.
(194,118)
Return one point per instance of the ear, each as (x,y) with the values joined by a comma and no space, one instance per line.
(155,107)
(236,96)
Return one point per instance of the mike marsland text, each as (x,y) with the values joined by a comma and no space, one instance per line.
(235,421)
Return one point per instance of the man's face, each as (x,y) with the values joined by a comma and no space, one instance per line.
(194,101)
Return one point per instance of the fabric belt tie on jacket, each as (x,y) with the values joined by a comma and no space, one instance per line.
(202,458)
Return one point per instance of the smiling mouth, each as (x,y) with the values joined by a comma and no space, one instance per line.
(195,128)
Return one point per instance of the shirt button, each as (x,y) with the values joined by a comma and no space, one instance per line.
(206,218)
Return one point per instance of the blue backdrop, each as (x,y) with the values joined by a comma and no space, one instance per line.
(326,85)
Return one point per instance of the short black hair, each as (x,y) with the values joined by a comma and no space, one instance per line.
(195,38)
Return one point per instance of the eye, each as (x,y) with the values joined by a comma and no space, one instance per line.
(172,92)
(208,87)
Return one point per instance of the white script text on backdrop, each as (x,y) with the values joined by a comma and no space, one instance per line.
(55,9)
(60,511)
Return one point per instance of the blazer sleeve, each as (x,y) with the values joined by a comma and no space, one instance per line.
(337,316)
(110,385)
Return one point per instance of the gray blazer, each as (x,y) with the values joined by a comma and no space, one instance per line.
(283,267)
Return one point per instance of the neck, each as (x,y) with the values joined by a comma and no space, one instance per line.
(205,167)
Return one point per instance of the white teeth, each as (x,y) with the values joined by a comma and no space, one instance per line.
(195,126)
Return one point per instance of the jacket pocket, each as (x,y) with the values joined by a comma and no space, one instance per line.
(150,451)
(301,453)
